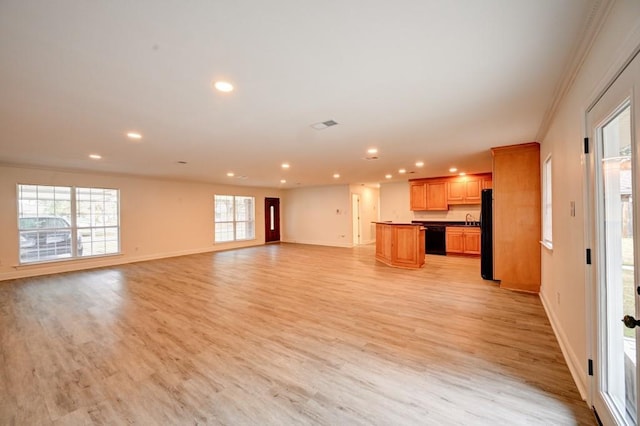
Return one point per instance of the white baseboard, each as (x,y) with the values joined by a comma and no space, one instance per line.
(576,367)
(318,243)
(71,265)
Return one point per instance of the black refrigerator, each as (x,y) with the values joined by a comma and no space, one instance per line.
(486,235)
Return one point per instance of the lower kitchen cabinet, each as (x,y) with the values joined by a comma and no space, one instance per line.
(463,240)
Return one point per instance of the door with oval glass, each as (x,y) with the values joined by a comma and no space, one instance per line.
(271,220)
(613,124)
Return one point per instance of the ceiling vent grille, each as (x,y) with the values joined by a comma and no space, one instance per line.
(323,125)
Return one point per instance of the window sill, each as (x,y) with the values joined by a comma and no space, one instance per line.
(548,246)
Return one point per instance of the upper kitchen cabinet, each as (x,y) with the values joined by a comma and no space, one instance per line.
(487,182)
(436,195)
(418,196)
(428,194)
(439,193)
(516,216)
(464,189)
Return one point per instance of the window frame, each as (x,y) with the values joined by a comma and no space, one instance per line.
(547,203)
(75,252)
(235,221)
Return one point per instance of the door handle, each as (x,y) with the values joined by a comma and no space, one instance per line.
(630,322)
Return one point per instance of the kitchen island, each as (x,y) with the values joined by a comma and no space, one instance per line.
(400,245)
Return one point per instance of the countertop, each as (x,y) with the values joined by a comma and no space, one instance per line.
(414,223)
(446,223)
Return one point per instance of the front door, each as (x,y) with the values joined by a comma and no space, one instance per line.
(614,123)
(271,219)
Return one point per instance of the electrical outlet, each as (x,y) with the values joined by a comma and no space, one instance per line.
(572,207)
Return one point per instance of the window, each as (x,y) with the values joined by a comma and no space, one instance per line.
(98,220)
(61,222)
(234,218)
(547,239)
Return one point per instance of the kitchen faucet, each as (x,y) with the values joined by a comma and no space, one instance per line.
(469,219)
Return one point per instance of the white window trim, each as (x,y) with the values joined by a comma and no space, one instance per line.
(547,201)
(74,228)
(234,221)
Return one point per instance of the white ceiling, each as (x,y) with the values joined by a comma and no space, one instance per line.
(440,81)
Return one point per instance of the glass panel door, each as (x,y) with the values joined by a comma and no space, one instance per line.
(619,349)
(613,166)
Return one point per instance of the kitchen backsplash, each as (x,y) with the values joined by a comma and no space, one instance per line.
(454,214)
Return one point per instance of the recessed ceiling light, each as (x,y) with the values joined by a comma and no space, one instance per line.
(453,170)
(223,86)
(134,135)
(401,171)
(372,151)
(336,175)
(283,181)
(419,163)
(230,174)
(388,176)
(285,165)
(462,173)
(95,156)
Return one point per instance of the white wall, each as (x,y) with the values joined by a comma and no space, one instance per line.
(318,215)
(159,218)
(563,269)
(394,206)
(369,211)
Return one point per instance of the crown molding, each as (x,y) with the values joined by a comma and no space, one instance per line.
(588,35)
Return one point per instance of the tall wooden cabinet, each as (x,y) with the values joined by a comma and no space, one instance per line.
(516,216)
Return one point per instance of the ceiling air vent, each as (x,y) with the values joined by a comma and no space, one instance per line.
(323,125)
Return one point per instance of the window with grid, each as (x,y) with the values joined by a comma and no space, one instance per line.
(61,222)
(234,218)
(98,220)
(547,236)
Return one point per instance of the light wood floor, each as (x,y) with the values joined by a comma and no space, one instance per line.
(280,334)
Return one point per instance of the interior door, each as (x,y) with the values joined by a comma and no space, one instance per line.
(355,219)
(271,220)
(613,124)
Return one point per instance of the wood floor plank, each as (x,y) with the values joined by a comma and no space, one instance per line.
(280,334)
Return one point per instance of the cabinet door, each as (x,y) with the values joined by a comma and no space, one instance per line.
(405,246)
(380,240)
(472,241)
(487,183)
(456,190)
(436,195)
(473,191)
(418,196)
(454,240)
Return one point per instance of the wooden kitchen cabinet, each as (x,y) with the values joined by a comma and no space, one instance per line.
(428,194)
(418,196)
(454,242)
(436,191)
(463,240)
(472,240)
(465,189)
(439,193)
(400,245)
(516,216)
